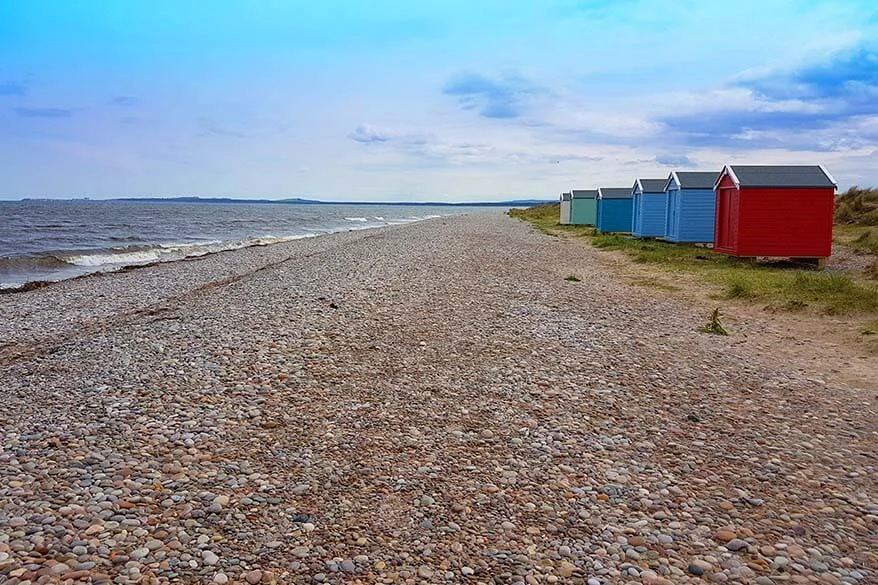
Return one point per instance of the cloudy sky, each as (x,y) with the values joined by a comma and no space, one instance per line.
(447,100)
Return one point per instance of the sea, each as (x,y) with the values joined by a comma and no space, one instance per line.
(50,240)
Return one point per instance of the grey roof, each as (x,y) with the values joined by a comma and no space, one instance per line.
(585,194)
(695,179)
(651,185)
(614,193)
(782,176)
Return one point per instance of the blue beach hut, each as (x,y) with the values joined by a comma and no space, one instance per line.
(613,210)
(648,208)
(691,207)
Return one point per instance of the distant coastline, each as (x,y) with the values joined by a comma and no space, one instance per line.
(300,201)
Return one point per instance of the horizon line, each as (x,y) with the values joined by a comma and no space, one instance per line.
(195,198)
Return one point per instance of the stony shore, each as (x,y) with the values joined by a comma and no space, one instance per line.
(429,403)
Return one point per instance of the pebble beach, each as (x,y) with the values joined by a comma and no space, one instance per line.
(423,403)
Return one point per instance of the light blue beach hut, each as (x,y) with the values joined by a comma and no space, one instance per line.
(613,210)
(649,202)
(691,206)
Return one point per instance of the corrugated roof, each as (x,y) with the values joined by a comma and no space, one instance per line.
(652,185)
(781,176)
(584,193)
(614,193)
(696,179)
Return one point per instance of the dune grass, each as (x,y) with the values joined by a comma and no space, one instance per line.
(857,206)
(858,237)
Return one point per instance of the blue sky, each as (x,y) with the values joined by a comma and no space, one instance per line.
(451,100)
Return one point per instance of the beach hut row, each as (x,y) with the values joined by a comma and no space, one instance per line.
(744,210)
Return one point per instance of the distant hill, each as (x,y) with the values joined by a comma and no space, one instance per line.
(300,201)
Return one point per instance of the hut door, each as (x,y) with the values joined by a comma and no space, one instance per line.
(724,219)
(671,220)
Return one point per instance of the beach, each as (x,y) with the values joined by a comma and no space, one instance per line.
(425,403)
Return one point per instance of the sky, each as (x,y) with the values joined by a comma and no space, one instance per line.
(450,100)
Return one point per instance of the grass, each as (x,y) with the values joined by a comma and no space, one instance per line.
(714,326)
(545,218)
(858,237)
(655,283)
(783,286)
(794,290)
(857,206)
(572,278)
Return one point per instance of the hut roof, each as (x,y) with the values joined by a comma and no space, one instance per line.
(650,185)
(614,193)
(693,179)
(778,176)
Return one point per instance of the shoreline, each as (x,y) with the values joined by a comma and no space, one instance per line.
(433,402)
(97,296)
(233,245)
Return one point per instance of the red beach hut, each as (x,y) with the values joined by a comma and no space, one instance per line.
(774,211)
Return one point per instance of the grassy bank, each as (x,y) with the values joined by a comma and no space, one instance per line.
(780,285)
(783,286)
(858,237)
(545,218)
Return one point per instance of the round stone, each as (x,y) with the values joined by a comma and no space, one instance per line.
(724,535)
(695,569)
(139,553)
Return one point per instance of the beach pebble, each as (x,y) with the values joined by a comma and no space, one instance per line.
(428,402)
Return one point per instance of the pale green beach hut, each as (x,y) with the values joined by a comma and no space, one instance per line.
(583,206)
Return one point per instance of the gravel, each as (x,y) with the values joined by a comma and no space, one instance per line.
(422,403)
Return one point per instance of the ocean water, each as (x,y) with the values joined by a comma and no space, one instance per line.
(56,240)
